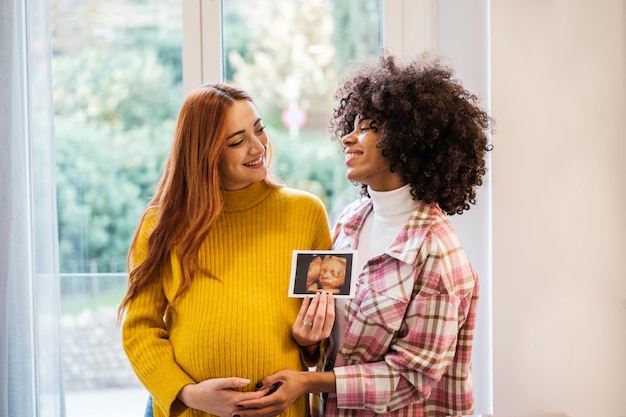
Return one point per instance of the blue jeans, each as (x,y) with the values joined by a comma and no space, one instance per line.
(149,412)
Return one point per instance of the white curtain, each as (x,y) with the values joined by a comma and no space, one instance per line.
(30,360)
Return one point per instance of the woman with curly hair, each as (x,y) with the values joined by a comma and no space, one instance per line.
(416,141)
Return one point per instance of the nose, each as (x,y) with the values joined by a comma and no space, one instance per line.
(348,139)
(258,145)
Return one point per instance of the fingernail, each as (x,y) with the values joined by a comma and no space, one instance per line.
(258,385)
(239,406)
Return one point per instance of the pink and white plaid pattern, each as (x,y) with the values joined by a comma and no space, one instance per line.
(407,346)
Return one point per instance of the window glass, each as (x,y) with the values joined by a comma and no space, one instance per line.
(289,56)
(117,77)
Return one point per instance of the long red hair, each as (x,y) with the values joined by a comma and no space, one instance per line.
(188,198)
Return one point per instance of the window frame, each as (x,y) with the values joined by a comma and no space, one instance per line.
(410,32)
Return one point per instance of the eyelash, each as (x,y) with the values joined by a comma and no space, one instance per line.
(372,126)
(257,132)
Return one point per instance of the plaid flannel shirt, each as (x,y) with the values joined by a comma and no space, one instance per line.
(407,346)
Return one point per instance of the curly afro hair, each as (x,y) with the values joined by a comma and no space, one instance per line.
(432,130)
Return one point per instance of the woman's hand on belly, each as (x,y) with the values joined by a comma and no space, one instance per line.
(283,388)
(218,396)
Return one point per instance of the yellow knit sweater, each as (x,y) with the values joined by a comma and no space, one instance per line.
(238,324)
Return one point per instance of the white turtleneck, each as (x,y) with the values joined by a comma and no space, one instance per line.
(390,212)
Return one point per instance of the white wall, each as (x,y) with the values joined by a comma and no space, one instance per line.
(559,207)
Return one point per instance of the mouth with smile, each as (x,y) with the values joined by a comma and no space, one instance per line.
(351,154)
(256,162)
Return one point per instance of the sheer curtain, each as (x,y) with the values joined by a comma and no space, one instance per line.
(30,364)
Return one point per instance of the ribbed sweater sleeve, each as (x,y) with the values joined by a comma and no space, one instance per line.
(145,335)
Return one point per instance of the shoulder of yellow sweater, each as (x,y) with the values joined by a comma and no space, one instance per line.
(299,195)
(149,220)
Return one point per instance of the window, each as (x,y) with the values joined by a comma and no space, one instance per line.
(117,75)
(118,86)
(290,58)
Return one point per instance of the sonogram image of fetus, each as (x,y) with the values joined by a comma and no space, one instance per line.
(326,273)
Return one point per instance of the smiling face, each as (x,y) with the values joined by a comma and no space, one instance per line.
(243,161)
(364,161)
